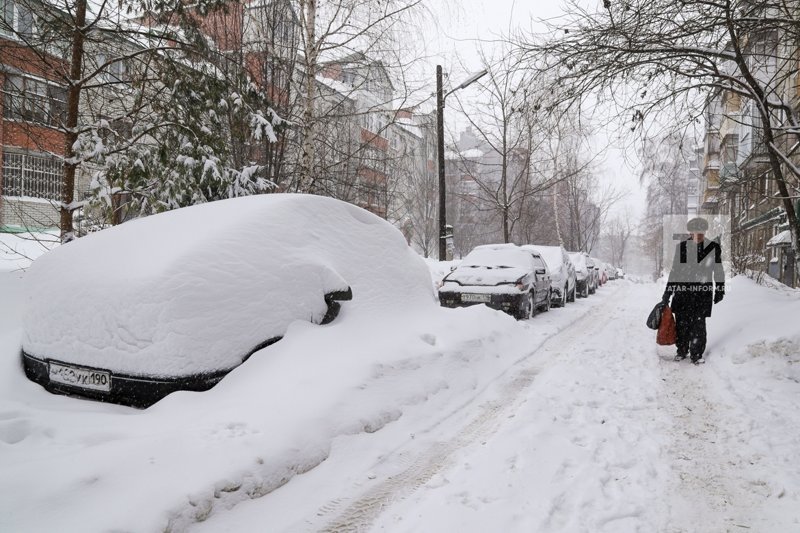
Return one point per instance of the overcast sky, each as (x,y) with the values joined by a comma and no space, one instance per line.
(465,26)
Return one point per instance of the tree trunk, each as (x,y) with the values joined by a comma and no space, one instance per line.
(309,14)
(71,124)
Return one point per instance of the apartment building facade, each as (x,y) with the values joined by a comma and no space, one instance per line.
(737,178)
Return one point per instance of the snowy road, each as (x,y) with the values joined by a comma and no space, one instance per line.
(591,431)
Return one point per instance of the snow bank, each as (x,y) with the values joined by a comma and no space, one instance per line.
(74,465)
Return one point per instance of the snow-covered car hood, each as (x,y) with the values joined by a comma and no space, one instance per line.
(196,289)
(482,276)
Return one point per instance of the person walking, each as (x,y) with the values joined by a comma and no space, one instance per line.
(696,282)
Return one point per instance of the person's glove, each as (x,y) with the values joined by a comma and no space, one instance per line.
(719,292)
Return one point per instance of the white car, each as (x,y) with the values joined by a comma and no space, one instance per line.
(501,276)
(175,301)
(562,272)
(585,275)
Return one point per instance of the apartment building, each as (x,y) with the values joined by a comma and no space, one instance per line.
(737,178)
(32,110)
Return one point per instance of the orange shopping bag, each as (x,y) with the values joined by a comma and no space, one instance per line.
(666,330)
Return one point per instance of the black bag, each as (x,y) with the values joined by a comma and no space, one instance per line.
(654,319)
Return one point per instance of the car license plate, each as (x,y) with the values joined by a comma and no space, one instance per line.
(75,376)
(483,298)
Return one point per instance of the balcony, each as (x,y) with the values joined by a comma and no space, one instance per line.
(373,139)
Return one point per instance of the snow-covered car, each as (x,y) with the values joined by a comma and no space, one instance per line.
(611,271)
(602,275)
(593,272)
(584,273)
(502,276)
(177,300)
(562,272)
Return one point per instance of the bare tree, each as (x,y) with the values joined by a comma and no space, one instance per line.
(665,174)
(357,45)
(646,57)
(617,233)
(511,138)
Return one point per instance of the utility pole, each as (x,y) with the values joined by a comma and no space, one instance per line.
(440,99)
(440,154)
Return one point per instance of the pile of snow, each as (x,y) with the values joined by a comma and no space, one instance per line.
(76,465)
(195,290)
(439,269)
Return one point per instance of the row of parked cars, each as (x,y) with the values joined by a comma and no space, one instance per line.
(522,280)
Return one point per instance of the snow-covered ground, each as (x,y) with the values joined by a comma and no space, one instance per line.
(18,250)
(429,419)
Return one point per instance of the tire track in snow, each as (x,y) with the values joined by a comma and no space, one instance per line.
(358,515)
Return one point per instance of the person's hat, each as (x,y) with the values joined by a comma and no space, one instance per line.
(697,225)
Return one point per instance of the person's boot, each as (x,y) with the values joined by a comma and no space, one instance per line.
(680,357)
(698,360)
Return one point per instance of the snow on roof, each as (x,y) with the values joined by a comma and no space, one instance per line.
(578,259)
(196,289)
(551,254)
(496,256)
(782,238)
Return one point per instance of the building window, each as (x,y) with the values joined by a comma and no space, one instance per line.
(34,101)
(15,20)
(115,71)
(36,176)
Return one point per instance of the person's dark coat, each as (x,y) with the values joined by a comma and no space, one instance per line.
(695,276)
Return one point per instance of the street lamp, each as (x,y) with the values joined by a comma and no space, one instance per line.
(440,98)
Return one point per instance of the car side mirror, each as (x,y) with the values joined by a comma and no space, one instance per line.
(340,295)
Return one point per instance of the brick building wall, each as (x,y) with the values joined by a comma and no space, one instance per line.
(19,138)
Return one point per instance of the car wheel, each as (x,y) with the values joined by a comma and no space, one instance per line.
(546,305)
(585,291)
(573,293)
(531,304)
(523,312)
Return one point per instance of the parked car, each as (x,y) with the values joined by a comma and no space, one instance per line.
(175,301)
(611,271)
(602,276)
(584,274)
(620,273)
(562,272)
(593,273)
(502,276)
